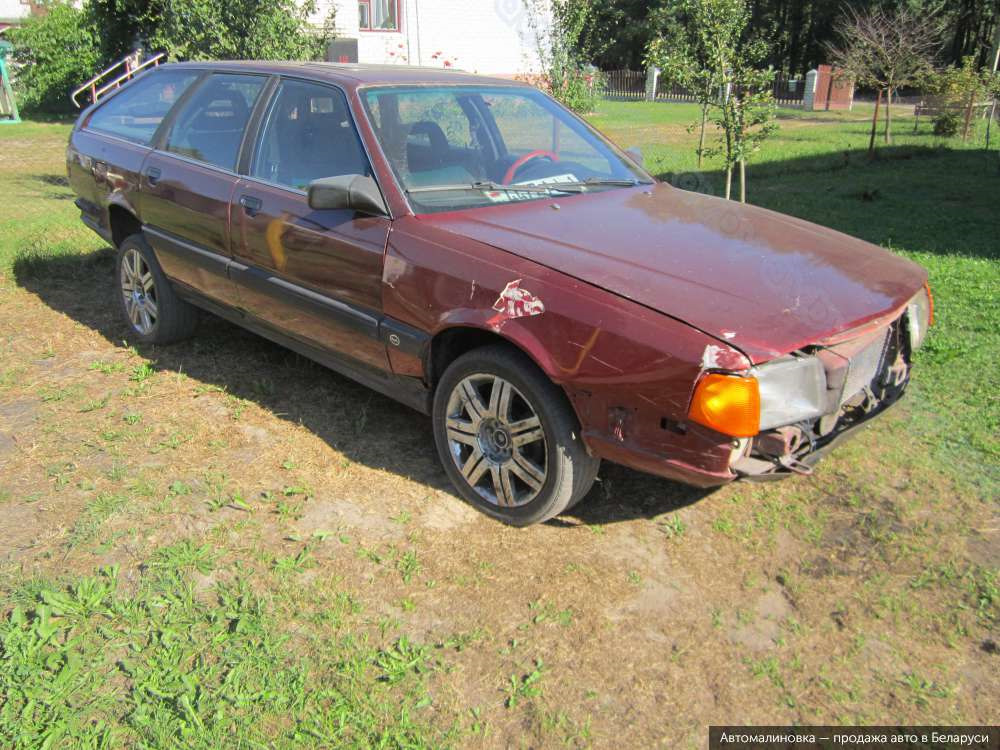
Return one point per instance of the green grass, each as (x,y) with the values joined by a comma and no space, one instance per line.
(91,664)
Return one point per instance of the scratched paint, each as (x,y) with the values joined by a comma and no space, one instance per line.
(716,357)
(515,302)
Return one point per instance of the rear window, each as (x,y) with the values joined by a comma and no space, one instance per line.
(137,111)
(209,127)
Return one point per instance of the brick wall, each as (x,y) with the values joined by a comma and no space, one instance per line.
(832,90)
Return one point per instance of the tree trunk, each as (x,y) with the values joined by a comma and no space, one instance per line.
(729,125)
(989,124)
(796,36)
(888,116)
(968,114)
(871,141)
(743,181)
(701,138)
(996,45)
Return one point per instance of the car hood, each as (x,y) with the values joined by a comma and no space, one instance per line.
(761,281)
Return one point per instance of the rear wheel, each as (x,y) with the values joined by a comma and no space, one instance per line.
(508,438)
(153,311)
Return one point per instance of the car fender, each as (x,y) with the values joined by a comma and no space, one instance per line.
(628,371)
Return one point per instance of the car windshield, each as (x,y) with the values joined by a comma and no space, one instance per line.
(455,147)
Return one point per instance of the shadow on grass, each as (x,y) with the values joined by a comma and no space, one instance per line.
(365,426)
(58,184)
(920,198)
(49,118)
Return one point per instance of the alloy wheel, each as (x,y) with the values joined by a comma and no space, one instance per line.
(496,440)
(139,292)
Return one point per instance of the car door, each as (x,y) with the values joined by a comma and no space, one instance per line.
(313,275)
(107,151)
(187,183)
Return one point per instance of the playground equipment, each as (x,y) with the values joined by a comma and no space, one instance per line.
(8,107)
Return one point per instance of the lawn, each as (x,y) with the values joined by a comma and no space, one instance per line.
(221,544)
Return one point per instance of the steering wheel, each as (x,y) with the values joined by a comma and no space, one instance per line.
(539,153)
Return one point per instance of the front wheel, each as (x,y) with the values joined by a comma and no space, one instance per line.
(508,438)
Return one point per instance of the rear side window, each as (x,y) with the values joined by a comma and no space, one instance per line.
(209,127)
(137,111)
(308,134)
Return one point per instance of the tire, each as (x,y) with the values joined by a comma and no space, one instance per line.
(151,309)
(520,445)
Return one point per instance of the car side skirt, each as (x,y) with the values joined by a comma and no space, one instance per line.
(407,390)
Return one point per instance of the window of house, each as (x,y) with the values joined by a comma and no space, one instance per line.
(136,112)
(378,15)
(210,126)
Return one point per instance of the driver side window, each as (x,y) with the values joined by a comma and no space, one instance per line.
(429,136)
(308,134)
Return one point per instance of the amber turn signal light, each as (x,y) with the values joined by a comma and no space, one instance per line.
(729,404)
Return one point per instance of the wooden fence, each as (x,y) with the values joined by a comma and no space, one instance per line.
(631,85)
(624,84)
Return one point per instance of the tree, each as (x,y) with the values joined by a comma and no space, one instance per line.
(558,28)
(712,56)
(53,52)
(885,50)
(617,33)
(213,29)
(746,117)
(58,50)
(797,31)
(959,87)
(684,54)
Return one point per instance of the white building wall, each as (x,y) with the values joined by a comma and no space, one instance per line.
(13,9)
(480,36)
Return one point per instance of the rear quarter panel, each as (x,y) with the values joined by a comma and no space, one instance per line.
(119,185)
(628,371)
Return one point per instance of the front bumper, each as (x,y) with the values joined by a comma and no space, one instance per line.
(860,378)
(864,378)
(757,470)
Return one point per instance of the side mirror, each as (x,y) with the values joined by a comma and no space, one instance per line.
(351,191)
(635,155)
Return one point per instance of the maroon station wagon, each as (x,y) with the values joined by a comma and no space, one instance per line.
(472,249)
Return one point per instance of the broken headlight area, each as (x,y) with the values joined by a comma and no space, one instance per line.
(811,398)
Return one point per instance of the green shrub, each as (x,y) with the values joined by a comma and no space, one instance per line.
(53,54)
(564,72)
(946,124)
(57,51)
(213,29)
(578,88)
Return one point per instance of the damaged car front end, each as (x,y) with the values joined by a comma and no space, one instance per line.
(787,413)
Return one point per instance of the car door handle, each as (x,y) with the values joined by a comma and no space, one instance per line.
(251,205)
(153,175)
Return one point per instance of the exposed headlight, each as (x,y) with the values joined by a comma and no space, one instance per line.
(783,391)
(791,389)
(919,316)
